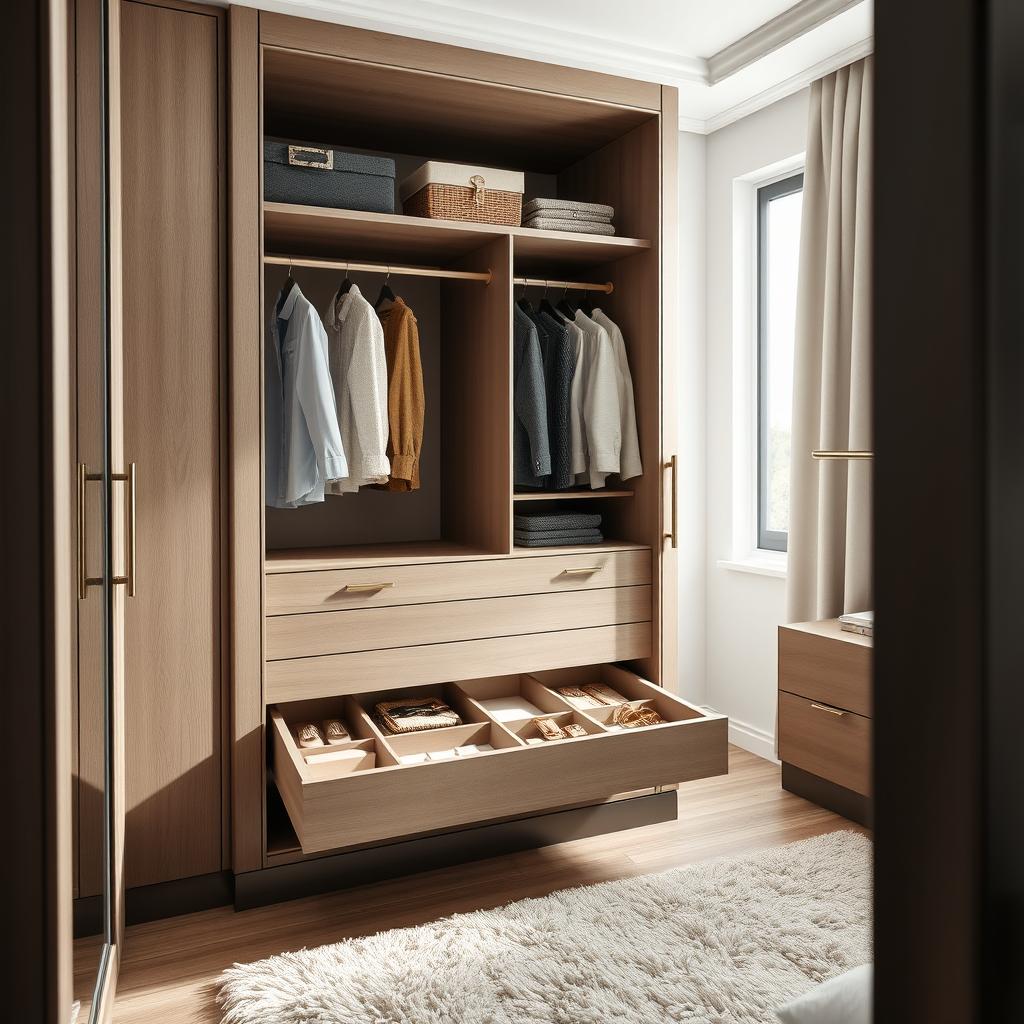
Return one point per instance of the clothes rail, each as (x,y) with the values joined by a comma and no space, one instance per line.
(378,268)
(585,286)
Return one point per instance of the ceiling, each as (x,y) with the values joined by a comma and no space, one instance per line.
(728,57)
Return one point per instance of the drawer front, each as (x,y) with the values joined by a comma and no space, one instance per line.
(306,678)
(363,629)
(341,589)
(833,672)
(399,800)
(833,744)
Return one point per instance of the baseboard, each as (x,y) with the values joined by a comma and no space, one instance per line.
(749,737)
(361,867)
(827,794)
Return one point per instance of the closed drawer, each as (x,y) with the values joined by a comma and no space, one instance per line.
(304,678)
(827,669)
(288,593)
(334,808)
(363,629)
(825,741)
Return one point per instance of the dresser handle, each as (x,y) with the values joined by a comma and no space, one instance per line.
(831,711)
(673,536)
(583,570)
(359,588)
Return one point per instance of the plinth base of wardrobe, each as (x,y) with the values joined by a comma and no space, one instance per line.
(412,856)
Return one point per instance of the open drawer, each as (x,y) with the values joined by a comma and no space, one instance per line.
(418,783)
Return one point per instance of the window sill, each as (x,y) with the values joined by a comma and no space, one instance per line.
(761,563)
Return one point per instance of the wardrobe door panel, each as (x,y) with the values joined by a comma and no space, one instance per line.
(172,341)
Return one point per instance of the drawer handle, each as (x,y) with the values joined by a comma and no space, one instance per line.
(583,570)
(359,588)
(831,711)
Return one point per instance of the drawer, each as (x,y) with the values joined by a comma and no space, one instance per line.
(362,629)
(822,668)
(288,593)
(828,742)
(332,807)
(304,678)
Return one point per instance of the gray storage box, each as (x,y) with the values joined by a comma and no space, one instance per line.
(323,176)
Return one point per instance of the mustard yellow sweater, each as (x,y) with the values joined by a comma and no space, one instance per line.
(405,395)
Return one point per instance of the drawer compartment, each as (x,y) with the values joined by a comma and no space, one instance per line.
(820,668)
(825,741)
(363,629)
(289,593)
(334,810)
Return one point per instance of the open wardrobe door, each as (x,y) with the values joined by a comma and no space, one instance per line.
(106,491)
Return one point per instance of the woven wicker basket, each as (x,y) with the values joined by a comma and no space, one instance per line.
(461,202)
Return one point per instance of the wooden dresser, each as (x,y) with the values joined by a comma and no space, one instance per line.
(825,716)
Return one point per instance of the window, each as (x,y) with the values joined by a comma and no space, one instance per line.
(778,252)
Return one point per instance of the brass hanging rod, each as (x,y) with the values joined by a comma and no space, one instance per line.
(584,286)
(378,268)
(848,456)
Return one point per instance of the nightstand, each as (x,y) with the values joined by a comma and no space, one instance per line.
(824,725)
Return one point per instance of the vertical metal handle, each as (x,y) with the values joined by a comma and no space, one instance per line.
(128,579)
(674,534)
(85,581)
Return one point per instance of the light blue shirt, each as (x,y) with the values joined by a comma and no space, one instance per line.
(303,442)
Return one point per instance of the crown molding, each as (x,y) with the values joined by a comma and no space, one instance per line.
(773,35)
(789,86)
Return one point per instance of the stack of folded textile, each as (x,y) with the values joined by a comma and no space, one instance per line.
(565,215)
(555,529)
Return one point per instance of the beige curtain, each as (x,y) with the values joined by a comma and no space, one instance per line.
(830,502)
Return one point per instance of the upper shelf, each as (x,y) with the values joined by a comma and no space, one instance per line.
(351,234)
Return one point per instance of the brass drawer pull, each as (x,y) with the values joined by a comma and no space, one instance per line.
(359,588)
(831,711)
(583,570)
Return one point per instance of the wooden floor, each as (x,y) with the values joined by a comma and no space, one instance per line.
(170,968)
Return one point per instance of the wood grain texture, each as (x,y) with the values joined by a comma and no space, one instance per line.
(822,662)
(833,745)
(365,629)
(171,966)
(405,52)
(288,593)
(304,678)
(246,439)
(170,110)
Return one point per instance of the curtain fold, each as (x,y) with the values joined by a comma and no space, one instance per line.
(830,502)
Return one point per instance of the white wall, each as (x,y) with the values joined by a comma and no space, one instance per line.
(741,611)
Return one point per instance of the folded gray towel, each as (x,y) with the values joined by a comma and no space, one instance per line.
(555,540)
(598,211)
(560,521)
(580,227)
(587,534)
(590,218)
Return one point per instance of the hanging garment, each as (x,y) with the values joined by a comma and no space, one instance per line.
(303,443)
(406,401)
(629,455)
(601,412)
(577,427)
(355,345)
(559,364)
(531,454)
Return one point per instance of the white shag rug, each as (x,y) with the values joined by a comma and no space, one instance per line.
(719,942)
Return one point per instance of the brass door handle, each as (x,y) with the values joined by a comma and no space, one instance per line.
(128,579)
(85,581)
(359,588)
(583,570)
(673,464)
(825,707)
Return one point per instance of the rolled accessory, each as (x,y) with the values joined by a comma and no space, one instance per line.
(308,734)
(415,715)
(334,730)
(549,729)
(575,730)
(630,717)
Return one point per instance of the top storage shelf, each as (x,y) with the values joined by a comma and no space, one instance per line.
(350,234)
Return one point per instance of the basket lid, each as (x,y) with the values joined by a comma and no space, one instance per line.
(275,151)
(436,172)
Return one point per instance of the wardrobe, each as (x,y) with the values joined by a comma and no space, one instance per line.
(251,619)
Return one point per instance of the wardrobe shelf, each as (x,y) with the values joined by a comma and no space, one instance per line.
(568,495)
(291,230)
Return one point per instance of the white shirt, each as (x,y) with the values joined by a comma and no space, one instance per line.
(601,414)
(303,442)
(360,375)
(629,454)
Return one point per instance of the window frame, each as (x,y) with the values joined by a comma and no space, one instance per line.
(767,540)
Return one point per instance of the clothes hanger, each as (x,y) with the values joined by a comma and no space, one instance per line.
(522,301)
(345,284)
(386,294)
(546,307)
(565,307)
(286,288)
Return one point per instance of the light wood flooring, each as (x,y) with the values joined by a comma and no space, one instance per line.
(170,968)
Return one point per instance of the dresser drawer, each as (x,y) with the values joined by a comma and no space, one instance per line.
(825,668)
(363,629)
(825,741)
(331,808)
(341,589)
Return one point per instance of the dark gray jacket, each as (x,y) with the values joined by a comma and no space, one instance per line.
(531,455)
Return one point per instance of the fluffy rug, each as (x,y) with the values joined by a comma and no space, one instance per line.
(721,942)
